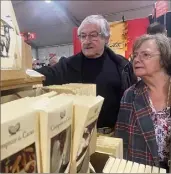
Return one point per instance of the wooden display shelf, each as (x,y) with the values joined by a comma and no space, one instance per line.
(20,83)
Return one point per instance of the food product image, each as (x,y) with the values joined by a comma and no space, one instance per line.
(19,140)
(85,141)
(60,151)
(23,161)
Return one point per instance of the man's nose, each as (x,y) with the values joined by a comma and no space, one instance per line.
(87,40)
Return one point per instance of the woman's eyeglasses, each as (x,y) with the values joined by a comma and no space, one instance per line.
(144,55)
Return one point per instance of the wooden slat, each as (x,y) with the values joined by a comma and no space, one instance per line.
(13,84)
(115,165)
(128,167)
(7,75)
(135,167)
(122,166)
(108,167)
(141,168)
(148,169)
(155,169)
(162,170)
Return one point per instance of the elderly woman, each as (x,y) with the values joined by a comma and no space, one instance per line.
(144,120)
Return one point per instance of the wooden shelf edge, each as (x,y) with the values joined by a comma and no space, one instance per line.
(20,83)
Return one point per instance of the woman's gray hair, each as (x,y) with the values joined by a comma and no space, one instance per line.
(164,47)
(98,20)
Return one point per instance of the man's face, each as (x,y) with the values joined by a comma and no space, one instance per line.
(92,42)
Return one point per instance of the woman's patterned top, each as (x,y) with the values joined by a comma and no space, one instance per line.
(162,125)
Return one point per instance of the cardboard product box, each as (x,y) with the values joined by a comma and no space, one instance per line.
(20,152)
(86,112)
(55,134)
(52,131)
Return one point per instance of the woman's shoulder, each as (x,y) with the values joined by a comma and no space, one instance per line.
(130,93)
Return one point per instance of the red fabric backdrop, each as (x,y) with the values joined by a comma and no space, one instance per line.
(136,28)
(76,42)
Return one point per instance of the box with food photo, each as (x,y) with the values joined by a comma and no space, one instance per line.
(55,134)
(86,112)
(19,141)
(94,108)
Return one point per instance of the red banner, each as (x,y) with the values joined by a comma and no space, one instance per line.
(136,28)
(76,41)
(161,7)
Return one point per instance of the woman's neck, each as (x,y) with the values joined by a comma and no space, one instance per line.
(159,82)
(158,88)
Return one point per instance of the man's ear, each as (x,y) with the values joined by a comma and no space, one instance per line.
(107,40)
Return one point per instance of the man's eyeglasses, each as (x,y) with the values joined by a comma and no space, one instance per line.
(91,36)
(144,55)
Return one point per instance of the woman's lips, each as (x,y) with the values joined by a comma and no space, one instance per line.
(138,67)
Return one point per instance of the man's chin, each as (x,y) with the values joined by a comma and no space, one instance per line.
(89,54)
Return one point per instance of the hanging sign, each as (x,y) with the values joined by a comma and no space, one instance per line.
(161,7)
(117,41)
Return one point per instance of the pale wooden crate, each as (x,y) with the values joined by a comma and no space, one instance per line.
(110,145)
(116,165)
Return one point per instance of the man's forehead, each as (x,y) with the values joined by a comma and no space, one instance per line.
(89,28)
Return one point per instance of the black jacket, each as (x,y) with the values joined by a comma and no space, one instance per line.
(69,70)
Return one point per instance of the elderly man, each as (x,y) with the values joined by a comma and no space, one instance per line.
(96,64)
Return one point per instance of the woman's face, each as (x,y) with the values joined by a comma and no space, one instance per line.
(146,59)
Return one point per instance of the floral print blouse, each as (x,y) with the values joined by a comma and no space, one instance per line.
(162,125)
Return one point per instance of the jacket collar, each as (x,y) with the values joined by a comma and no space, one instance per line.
(145,123)
(76,61)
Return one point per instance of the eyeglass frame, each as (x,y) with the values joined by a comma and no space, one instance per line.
(149,56)
(90,36)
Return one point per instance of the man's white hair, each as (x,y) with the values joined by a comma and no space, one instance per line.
(98,20)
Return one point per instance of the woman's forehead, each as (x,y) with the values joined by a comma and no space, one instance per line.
(149,45)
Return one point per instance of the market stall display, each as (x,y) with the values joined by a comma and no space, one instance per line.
(53,128)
